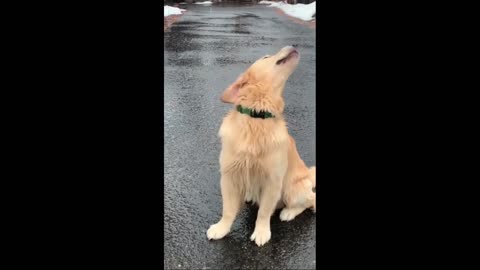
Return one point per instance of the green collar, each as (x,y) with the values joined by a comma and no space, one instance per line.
(255,114)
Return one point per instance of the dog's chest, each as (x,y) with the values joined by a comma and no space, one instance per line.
(248,144)
(251,138)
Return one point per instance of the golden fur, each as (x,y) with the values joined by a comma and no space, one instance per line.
(259,161)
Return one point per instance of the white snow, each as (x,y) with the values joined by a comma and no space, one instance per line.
(204,3)
(168,10)
(266,2)
(300,11)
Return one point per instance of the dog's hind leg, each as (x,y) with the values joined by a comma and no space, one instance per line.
(302,199)
(289,213)
(312,172)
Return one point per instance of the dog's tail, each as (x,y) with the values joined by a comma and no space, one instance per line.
(312,171)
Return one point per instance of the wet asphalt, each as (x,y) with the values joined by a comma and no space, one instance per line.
(205,51)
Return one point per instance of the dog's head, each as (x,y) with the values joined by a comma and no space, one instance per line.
(266,77)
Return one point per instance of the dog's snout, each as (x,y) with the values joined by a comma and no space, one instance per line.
(294,45)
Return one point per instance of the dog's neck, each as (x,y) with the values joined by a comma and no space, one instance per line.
(254,113)
(260,104)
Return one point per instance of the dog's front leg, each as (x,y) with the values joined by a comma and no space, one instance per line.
(232,201)
(270,195)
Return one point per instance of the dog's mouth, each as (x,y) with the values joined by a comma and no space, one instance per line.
(292,54)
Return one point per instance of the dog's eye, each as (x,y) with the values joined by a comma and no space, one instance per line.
(266,56)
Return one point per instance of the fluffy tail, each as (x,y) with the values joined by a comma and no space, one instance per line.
(312,172)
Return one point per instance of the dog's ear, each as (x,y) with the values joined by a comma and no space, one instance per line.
(230,95)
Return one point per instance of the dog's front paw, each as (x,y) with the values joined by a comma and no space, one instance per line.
(217,231)
(261,236)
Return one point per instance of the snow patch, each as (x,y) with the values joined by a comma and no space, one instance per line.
(204,3)
(300,11)
(266,2)
(168,10)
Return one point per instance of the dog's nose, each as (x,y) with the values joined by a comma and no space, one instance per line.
(294,45)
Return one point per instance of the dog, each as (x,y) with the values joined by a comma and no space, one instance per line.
(259,161)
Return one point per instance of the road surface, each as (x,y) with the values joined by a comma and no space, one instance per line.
(205,51)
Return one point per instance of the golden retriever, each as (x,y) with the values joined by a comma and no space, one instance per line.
(259,161)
